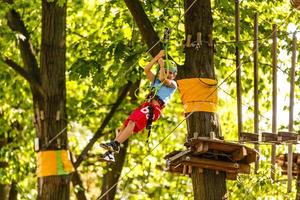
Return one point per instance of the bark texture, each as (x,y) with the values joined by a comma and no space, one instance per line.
(53,81)
(207,185)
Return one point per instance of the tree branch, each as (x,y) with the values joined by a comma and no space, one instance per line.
(145,26)
(8,1)
(32,81)
(16,24)
(98,133)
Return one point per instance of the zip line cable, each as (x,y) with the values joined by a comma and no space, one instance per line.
(172,131)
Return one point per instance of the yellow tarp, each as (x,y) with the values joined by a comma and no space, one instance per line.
(198,94)
(53,163)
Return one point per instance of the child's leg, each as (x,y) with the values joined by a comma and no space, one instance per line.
(120,129)
(126,132)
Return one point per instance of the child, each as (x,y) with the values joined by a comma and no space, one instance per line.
(165,86)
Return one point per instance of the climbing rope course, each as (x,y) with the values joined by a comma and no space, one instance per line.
(190,113)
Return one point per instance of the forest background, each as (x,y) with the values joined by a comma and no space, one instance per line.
(104,51)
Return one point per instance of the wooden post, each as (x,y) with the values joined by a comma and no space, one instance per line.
(256,105)
(188,40)
(291,113)
(238,67)
(274,98)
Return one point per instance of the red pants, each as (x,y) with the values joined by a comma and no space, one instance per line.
(140,116)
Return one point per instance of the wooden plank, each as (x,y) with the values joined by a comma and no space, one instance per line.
(216,165)
(249,137)
(194,141)
(224,147)
(231,176)
(295,167)
(298,159)
(270,137)
(201,147)
(295,173)
(239,154)
(171,154)
(282,136)
(251,157)
(178,155)
(184,170)
(284,158)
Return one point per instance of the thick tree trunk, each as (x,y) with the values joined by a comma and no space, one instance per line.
(53,50)
(48,85)
(207,184)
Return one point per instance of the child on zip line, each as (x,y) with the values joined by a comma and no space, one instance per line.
(163,87)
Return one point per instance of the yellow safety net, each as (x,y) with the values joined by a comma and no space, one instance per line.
(54,163)
(198,94)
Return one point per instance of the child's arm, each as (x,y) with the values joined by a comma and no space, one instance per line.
(150,76)
(162,74)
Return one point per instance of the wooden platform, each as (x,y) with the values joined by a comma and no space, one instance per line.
(282,136)
(282,161)
(218,155)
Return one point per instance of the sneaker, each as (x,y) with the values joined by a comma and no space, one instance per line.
(109,156)
(112,146)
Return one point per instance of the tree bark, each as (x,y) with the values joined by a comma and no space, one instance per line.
(13,192)
(3,191)
(78,185)
(111,177)
(53,67)
(148,33)
(207,185)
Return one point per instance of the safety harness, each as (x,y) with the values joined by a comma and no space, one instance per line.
(153,90)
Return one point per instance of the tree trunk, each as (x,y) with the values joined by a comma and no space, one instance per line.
(77,183)
(13,192)
(3,191)
(207,184)
(111,177)
(53,50)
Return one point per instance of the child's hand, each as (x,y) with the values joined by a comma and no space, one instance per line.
(160,54)
(161,62)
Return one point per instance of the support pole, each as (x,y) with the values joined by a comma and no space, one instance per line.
(274,98)
(256,105)
(291,113)
(238,67)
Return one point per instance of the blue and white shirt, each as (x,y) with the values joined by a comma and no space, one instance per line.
(164,92)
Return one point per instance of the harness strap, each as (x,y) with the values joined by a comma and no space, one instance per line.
(149,121)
